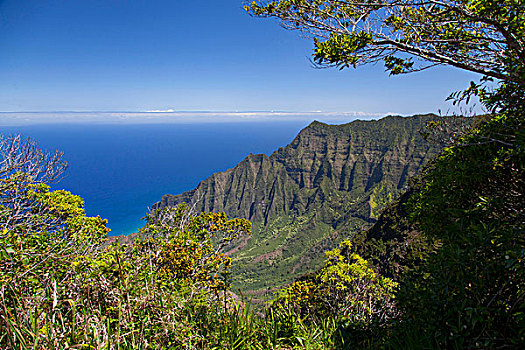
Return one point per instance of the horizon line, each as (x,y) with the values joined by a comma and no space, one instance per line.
(171,117)
(173,111)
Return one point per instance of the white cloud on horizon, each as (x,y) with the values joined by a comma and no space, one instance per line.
(170,116)
(161,111)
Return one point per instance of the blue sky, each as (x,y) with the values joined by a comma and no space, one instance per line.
(189,55)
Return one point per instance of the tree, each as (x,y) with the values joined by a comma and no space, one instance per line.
(41,233)
(189,247)
(63,286)
(346,286)
(481,36)
(471,201)
(24,170)
(346,291)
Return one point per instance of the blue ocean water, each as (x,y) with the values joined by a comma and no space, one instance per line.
(121,170)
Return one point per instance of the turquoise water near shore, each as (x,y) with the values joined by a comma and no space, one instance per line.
(121,170)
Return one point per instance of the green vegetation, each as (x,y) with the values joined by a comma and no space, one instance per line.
(63,286)
(475,280)
(454,241)
(346,286)
(442,267)
(324,187)
(481,36)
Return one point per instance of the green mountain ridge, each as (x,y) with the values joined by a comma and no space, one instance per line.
(328,184)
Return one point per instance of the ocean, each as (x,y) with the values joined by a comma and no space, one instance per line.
(121,170)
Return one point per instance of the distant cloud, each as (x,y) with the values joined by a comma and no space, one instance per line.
(170,116)
(161,111)
(395,113)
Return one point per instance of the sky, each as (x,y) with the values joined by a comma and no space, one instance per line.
(187,55)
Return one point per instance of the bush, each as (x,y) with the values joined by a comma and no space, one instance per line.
(63,286)
(346,294)
(472,201)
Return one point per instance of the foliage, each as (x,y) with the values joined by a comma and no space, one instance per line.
(24,171)
(394,245)
(455,243)
(36,264)
(61,291)
(62,286)
(482,36)
(471,199)
(326,185)
(455,239)
(346,291)
(188,247)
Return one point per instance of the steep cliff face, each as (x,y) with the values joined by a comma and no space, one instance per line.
(328,183)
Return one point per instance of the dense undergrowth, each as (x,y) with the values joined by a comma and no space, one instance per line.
(442,268)
(455,245)
(471,203)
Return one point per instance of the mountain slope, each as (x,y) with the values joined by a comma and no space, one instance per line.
(328,183)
